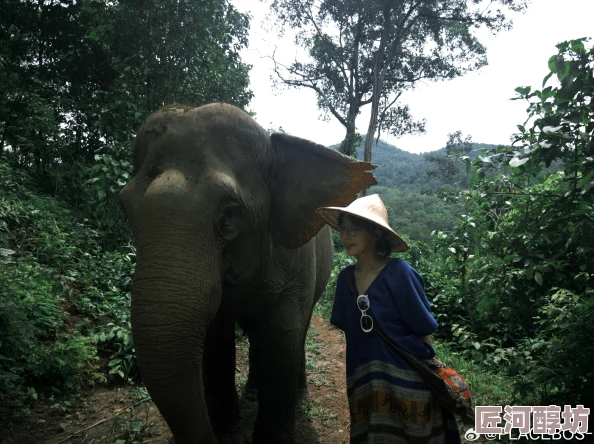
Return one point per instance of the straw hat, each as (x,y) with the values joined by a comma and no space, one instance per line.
(370,208)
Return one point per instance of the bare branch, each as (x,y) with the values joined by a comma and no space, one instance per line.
(319,33)
(307,82)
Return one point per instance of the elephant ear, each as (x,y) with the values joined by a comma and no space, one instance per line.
(308,176)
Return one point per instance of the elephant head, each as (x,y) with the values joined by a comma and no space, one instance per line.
(212,194)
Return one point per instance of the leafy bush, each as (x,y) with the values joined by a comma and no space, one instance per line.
(64,300)
(100,184)
(123,360)
(516,271)
(36,353)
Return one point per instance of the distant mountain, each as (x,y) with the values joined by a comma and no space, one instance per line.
(397,168)
(414,209)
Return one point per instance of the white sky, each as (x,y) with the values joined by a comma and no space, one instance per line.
(477,104)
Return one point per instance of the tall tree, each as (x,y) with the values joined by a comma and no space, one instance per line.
(78,78)
(88,72)
(370,51)
(449,165)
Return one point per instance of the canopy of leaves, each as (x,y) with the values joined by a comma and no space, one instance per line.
(78,78)
(520,255)
(358,47)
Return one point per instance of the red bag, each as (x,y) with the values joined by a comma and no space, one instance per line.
(449,388)
(452,378)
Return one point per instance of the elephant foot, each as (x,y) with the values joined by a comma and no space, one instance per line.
(249,393)
(235,436)
(285,436)
(303,398)
(227,428)
(207,440)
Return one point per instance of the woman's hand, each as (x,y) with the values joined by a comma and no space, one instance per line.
(427,339)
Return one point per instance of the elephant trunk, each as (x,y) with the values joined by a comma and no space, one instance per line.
(176,294)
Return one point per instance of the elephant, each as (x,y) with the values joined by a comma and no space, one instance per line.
(224,223)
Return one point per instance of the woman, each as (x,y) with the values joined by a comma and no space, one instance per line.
(388,400)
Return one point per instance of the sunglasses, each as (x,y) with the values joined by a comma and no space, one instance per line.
(366,321)
(348,231)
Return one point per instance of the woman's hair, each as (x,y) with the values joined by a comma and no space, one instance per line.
(382,245)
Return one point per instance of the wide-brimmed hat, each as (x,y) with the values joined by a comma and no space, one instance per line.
(370,208)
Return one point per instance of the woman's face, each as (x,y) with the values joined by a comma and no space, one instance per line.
(356,240)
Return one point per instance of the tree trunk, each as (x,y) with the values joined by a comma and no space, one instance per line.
(383,59)
(378,83)
(373,119)
(351,140)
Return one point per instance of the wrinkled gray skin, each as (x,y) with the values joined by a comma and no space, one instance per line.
(224,223)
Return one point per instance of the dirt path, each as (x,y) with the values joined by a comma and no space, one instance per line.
(121,415)
(327,385)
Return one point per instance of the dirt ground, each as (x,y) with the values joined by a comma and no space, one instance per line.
(120,415)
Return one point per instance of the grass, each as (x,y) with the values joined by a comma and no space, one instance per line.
(312,352)
(319,413)
(320,381)
(487,387)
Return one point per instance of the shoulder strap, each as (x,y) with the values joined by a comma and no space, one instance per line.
(376,327)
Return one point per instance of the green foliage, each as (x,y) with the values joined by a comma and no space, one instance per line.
(488,387)
(520,278)
(564,321)
(99,188)
(64,300)
(123,360)
(414,214)
(68,111)
(397,168)
(412,197)
(452,166)
(39,347)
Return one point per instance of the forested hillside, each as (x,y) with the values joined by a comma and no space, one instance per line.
(401,169)
(412,187)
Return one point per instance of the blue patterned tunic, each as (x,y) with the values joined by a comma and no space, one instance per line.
(388,400)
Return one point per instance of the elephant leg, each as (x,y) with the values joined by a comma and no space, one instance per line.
(303,397)
(219,380)
(303,394)
(250,389)
(278,372)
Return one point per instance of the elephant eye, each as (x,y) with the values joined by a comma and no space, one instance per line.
(228,222)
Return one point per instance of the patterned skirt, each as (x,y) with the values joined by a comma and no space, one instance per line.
(390,405)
